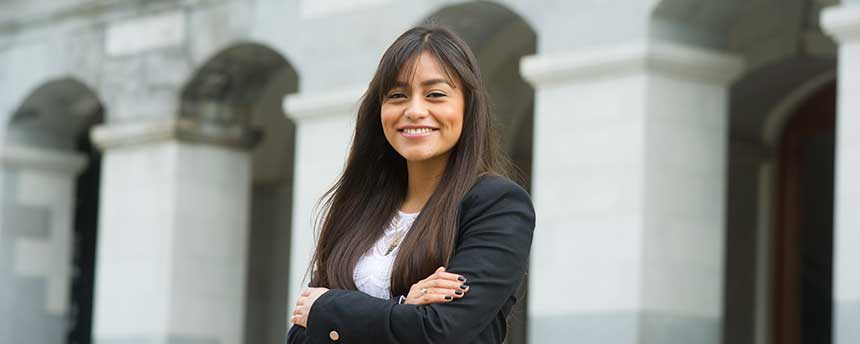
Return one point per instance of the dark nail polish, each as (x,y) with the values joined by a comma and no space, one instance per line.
(458,292)
(463,286)
(461,279)
(448,297)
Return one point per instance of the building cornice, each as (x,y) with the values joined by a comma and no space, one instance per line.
(335,103)
(173,129)
(662,57)
(40,158)
(842,22)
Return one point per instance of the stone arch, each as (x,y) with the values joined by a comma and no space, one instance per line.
(695,22)
(240,89)
(762,32)
(226,89)
(55,115)
(776,120)
(761,99)
(500,37)
(51,178)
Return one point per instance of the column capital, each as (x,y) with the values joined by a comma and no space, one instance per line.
(842,22)
(683,61)
(341,102)
(108,136)
(40,158)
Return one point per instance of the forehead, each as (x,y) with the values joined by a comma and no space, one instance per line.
(423,67)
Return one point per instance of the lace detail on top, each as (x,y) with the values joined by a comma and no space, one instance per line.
(372,274)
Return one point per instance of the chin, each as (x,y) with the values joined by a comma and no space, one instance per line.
(417,156)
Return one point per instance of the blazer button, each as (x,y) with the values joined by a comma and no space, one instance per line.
(334,335)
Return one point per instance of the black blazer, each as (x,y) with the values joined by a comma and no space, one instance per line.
(494,237)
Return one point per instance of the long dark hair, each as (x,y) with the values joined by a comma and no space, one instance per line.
(374,182)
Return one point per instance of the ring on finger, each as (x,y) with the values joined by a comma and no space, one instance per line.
(423,291)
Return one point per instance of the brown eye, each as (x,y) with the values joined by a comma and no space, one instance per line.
(396,96)
(436,95)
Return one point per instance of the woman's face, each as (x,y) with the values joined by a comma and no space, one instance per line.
(423,117)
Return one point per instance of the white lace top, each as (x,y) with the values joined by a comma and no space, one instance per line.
(372,274)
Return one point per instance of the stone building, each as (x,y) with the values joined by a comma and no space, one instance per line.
(695,164)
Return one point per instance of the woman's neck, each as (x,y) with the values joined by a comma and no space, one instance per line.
(424,177)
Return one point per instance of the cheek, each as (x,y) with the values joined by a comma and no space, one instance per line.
(388,117)
(454,124)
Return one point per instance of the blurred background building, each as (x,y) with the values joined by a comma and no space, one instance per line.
(695,164)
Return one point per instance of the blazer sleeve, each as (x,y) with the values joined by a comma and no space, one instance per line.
(497,220)
(298,335)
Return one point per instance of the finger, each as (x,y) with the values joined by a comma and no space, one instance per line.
(446,284)
(441,291)
(441,274)
(436,298)
(306,292)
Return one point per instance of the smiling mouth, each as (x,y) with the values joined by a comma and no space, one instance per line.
(416,132)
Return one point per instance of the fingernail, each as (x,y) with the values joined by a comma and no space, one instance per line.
(448,297)
(461,279)
(463,286)
(458,292)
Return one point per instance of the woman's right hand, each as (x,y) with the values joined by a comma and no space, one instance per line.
(439,287)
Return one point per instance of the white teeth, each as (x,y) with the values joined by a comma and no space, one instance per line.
(417,130)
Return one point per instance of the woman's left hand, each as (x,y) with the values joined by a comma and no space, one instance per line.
(303,306)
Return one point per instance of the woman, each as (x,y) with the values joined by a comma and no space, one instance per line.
(424,153)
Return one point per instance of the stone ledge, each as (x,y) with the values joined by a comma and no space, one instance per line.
(842,22)
(680,60)
(39,158)
(342,102)
(137,133)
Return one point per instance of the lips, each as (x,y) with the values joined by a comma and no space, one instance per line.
(416,132)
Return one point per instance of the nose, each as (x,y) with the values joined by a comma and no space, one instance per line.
(415,110)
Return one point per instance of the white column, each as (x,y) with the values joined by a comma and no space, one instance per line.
(173,234)
(629,185)
(843,22)
(324,128)
(37,232)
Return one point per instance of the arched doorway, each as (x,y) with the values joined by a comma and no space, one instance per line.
(51,175)
(780,113)
(500,38)
(802,231)
(243,86)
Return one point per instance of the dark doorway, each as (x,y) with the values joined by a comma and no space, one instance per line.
(802,254)
(84,244)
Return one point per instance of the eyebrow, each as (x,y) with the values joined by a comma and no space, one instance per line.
(425,83)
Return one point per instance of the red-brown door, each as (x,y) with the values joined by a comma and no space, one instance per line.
(802,250)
